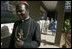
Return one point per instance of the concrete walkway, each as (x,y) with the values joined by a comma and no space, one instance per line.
(47,41)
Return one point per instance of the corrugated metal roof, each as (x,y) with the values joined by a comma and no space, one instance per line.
(50,5)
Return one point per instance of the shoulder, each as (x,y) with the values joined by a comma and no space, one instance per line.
(17,22)
(34,23)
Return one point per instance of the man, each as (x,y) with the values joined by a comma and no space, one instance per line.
(47,22)
(54,27)
(26,32)
(51,22)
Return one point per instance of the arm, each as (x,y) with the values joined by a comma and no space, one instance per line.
(12,37)
(36,39)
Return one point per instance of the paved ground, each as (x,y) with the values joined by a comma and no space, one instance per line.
(47,41)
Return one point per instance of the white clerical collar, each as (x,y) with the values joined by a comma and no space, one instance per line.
(26,18)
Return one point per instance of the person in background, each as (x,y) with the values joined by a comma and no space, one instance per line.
(50,26)
(47,22)
(54,26)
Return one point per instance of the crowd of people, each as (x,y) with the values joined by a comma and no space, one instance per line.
(48,25)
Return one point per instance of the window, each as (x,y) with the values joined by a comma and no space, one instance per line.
(8,14)
(68,5)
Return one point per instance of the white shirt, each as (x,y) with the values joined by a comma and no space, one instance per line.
(47,22)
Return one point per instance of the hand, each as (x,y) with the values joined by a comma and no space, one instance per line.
(19,43)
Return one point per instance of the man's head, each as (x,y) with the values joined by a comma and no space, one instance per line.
(22,10)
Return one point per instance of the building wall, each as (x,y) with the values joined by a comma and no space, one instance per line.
(35,10)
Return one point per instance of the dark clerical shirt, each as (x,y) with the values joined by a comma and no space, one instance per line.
(31,35)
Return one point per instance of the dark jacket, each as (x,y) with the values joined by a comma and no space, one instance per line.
(34,38)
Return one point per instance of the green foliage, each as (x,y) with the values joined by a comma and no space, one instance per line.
(67,29)
(15,18)
(67,26)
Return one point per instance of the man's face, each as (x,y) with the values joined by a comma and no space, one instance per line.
(21,11)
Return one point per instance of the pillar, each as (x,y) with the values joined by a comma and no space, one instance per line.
(60,19)
(35,10)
